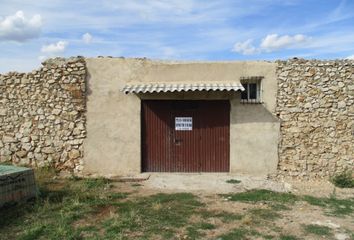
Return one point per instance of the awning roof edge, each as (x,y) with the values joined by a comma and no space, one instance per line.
(179,87)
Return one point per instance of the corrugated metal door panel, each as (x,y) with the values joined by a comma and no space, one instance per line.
(185,143)
(155,137)
(204,149)
(214,135)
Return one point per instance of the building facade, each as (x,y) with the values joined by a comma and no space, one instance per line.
(117,116)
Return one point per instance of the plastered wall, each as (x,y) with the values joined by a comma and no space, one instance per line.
(113,144)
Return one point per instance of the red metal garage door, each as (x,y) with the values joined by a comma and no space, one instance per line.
(185,136)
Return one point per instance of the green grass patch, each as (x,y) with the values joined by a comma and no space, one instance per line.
(236,234)
(33,233)
(60,203)
(262,195)
(154,214)
(268,237)
(318,230)
(136,185)
(233,181)
(205,226)
(195,231)
(94,183)
(343,180)
(266,214)
(287,237)
(241,233)
(332,205)
(229,217)
(71,208)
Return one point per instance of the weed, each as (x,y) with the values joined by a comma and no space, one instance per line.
(318,230)
(206,226)
(315,201)
(262,196)
(268,237)
(229,217)
(266,214)
(233,181)
(248,220)
(154,214)
(334,206)
(343,180)
(118,195)
(194,232)
(91,183)
(33,233)
(287,237)
(136,185)
(236,234)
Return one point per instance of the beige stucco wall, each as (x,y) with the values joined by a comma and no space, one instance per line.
(113,139)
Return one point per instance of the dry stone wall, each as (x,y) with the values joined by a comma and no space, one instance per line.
(315,103)
(42,115)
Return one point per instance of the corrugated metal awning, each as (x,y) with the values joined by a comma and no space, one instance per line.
(179,87)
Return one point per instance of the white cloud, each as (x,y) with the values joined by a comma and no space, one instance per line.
(274,42)
(351,57)
(245,48)
(55,48)
(19,28)
(271,43)
(87,38)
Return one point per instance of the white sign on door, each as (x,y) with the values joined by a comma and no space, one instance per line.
(183,123)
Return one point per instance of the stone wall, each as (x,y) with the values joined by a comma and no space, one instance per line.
(315,103)
(42,115)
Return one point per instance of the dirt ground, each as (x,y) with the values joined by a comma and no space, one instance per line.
(181,206)
(217,183)
(208,188)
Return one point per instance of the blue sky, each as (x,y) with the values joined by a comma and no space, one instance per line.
(31,31)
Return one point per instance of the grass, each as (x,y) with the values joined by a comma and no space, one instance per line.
(154,214)
(77,208)
(243,233)
(233,181)
(236,234)
(343,180)
(193,231)
(228,217)
(64,204)
(332,205)
(318,230)
(280,201)
(266,214)
(287,237)
(136,185)
(254,196)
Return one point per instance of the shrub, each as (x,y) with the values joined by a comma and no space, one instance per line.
(343,180)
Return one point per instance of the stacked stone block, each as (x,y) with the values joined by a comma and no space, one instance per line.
(42,115)
(315,103)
